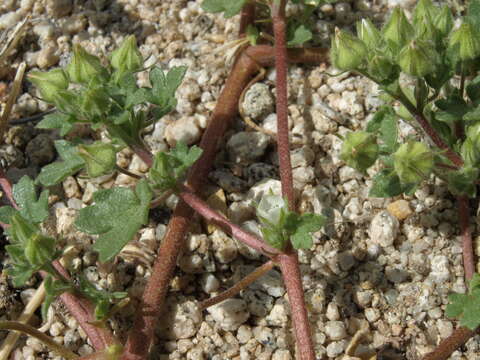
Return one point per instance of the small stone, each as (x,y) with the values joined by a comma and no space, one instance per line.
(271,283)
(59,8)
(332,311)
(335,330)
(278,315)
(184,129)
(259,171)
(224,248)
(258,302)
(384,229)
(246,147)
(396,275)
(336,348)
(9,20)
(227,181)
(440,272)
(47,57)
(44,30)
(230,314)
(70,187)
(372,314)
(244,333)
(264,335)
(40,150)
(400,209)
(264,187)
(281,354)
(258,102)
(209,283)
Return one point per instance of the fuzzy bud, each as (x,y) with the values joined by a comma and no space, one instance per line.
(348,52)
(417,58)
(359,150)
(127,57)
(398,31)
(368,33)
(413,162)
(49,83)
(84,66)
(466,42)
(443,22)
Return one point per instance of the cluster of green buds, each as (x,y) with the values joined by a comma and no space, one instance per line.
(414,47)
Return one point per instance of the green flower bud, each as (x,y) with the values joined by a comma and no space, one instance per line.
(470,152)
(466,42)
(413,162)
(423,18)
(368,33)
(443,22)
(100,158)
(348,52)
(463,182)
(381,68)
(272,209)
(127,57)
(49,83)
(417,58)
(398,31)
(40,250)
(359,150)
(94,102)
(84,66)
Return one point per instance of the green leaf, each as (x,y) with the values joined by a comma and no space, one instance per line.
(6,213)
(164,87)
(116,216)
(274,238)
(228,7)
(301,226)
(53,289)
(463,181)
(58,171)
(375,123)
(169,168)
(31,208)
(388,132)
(473,89)
(473,14)
(465,306)
(387,184)
(59,121)
(299,36)
(20,273)
(451,110)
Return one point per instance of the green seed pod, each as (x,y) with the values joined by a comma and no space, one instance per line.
(413,162)
(417,58)
(100,158)
(466,42)
(381,68)
(84,66)
(423,20)
(49,83)
(368,33)
(348,52)
(398,31)
(359,150)
(443,22)
(94,102)
(127,57)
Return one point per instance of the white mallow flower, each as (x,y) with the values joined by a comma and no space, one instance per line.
(272,208)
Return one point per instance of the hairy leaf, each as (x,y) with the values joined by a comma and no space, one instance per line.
(59,121)
(465,306)
(301,226)
(58,171)
(31,208)
(228,7)
(116,216)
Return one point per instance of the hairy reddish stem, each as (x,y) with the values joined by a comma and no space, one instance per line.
(281,67)
(293,283)
(83,311)
(246,65)
(7,189)
(447,346)
(221,221)
(239,286)
(247,17)
(467,246)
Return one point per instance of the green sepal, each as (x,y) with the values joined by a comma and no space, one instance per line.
(413,162)
(347,51)
(57,120)
(387,184)
(83,67)
(49,83)
(99,157)
(463,182)
(359,150)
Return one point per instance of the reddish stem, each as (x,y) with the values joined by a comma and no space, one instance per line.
(247,17)
(221,221)
(83,311)
(7,188)
(281,64)
(467,247)
(293,283)
(447,346)
(246,65)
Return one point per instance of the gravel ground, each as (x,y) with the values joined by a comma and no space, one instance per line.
(387,265)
